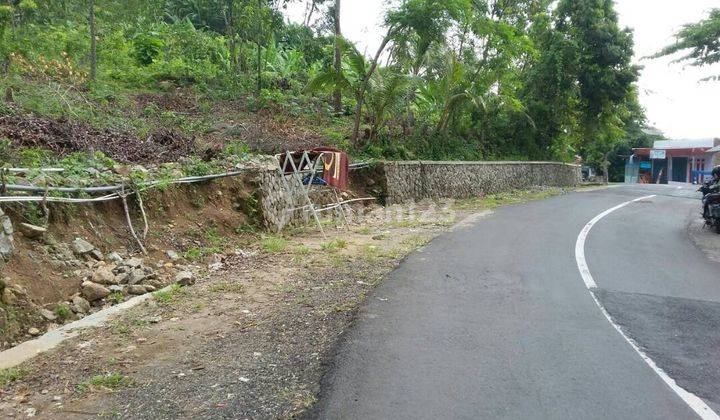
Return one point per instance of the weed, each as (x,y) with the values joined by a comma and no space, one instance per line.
(116,297)
(370,252)
(336,261)
(231,287)
(365,231)
(10,375)
(110,380)
(63,311)
(273,244)
(334,245)
(284,288)
(303,250)
(167,296)
(194,254)
(121,329)
(198,201)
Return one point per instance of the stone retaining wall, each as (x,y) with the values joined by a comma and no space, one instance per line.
(417,180)
(407,181)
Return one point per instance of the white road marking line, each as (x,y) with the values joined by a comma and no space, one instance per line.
(692,400)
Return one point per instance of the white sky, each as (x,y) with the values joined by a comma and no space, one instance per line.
(675,101)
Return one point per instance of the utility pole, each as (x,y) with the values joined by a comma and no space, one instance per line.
(337,94)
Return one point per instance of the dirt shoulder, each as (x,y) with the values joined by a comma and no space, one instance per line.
(250,340)
(705,238)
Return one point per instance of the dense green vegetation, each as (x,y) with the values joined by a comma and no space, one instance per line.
(453,79)
(699,41)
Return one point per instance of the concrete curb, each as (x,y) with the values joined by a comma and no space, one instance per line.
(25,351)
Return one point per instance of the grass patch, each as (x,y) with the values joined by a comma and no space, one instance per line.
(8,376)
(230,287)
(110,380)
(167,296)
(492,201)
(303,250)
(334,245)
(116,297)
(365,230)
(63,311)
(370,253)
(273,244)
(195,254)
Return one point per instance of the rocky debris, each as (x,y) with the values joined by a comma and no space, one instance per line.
(8,297)
(32,231)
(93,291)
(137,289)
(80,305)
(185,278)
(81,247)
(62,252)
(135,276)
(33,331)
(172,255)
(48,314)
(97,255)
(6,237)
(133,262)
(105,275)
(115,257)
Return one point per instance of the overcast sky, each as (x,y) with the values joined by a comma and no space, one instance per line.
(676,102)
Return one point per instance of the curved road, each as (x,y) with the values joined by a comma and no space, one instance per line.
(495,321)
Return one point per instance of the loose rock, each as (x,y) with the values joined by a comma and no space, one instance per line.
(48,314)
(137,289)
(6,237)
(133,262)
(33,331)
(115,257)
(32,231)
(172,255)
(93,291)
(8,297)
(80,305)
(81,246)
(136,276)
(184,278)
(96,254)
(105,275)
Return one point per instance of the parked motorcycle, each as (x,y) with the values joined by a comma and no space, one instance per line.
(711,203)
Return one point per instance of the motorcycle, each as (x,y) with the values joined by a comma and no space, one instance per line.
(711,204)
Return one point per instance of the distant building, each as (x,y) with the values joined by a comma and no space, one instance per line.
(673,160)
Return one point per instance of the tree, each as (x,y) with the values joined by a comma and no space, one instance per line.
(604,71)
(6,13)
(350,76)
(337,94)
(701,40)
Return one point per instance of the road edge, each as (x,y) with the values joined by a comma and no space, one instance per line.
(693,401)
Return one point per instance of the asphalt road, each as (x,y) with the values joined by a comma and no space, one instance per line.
(494,321)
